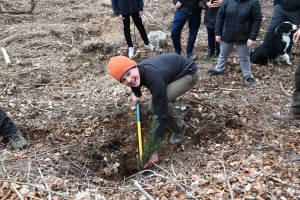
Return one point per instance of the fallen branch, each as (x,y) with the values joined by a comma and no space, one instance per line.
(141,189)
(6,57)
(283,90)
(226,178)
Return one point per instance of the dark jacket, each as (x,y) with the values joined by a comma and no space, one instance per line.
(288,4)
(210,16)
(238,21)
(189,6)
(127,7)
(156,73)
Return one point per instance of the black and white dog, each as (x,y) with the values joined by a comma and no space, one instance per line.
(276,46)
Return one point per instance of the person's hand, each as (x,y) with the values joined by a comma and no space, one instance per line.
(218,38)
(296,36)
(178,4)
(137,99)
(201,4)
(218,3)
(250,43)
(141,13)
(121,17)
(153,159)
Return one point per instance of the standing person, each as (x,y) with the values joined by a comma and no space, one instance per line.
(167,76)
(187,10)
(284,10)
(238,23)
(134,8)
(11,132)
(295,107)
(211,11)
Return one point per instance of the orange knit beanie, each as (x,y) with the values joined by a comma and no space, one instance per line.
(118,65)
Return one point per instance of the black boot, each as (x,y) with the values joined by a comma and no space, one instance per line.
(209,55)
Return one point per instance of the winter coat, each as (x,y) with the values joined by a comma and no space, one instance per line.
(127,7)
(288,4)
(155,74)
(189,6)
(210,16)
(238,20)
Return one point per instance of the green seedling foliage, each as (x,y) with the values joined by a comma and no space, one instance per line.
(151,145)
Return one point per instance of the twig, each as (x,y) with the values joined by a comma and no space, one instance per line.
(36,186)
(12,184)
(6,57)
(283,90)
(141,189)
(46,185)
(284,183)
(225,176)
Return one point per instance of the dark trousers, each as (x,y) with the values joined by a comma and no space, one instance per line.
(137,20)
(213,45)
(7,127)
(180,19)
(295,107)
(279,16)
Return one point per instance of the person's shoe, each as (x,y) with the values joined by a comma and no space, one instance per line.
(17,141)
(130,52)
(191,56)
(213,73)
(215,57)
(177,137)
(209,55)
(250,80)
(150,46)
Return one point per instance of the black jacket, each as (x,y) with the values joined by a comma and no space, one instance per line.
(189,6)
(156,73)
(238,20)
(288,4)
(126,7)
(210,16)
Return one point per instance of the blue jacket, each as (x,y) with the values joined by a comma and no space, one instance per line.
(288,4)
(127,7)
(210,16)
(189,6)
(155,74)
(238,20)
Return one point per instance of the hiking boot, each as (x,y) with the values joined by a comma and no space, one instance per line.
(150,46)
(191,56)
(215,57)
(130,52)
(209,55)
(250,80)
(177,137)
(213,73)
(17,141)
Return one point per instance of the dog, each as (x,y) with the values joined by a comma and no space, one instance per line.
(276,46)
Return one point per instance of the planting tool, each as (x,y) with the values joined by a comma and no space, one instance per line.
(140,138)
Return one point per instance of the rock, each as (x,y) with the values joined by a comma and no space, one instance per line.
(157,37)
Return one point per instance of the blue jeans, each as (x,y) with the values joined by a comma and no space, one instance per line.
(7,127)
(180,19)
(213,45)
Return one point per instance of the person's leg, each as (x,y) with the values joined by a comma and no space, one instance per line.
(137,20)
(179,20)
(194,25)
(211,43)
(126,28)
(226,49)
(7,127)
(295,107)
(243,52)
(278,17)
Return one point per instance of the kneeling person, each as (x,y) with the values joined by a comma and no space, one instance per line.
(167,76)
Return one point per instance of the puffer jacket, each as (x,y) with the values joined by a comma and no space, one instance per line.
(288,4)
(126,7)
(189,6)
(238,20)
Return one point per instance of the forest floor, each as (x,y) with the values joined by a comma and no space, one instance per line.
(82,127)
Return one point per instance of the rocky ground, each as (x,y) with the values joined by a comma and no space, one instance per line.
(81,124)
